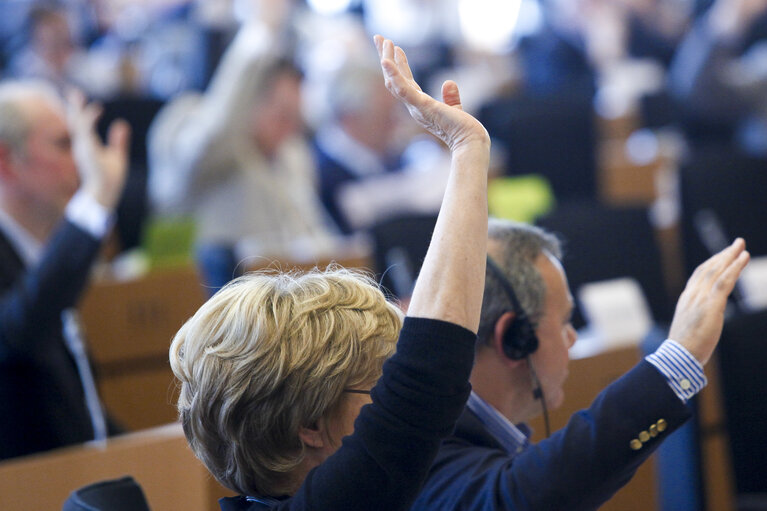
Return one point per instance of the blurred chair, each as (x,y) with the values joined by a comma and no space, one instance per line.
(603,242)
(123,494)
(743,380)
(722,196)
(551,136)
(399,246)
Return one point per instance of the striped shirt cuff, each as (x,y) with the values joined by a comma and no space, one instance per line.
(682,371)
(85,212)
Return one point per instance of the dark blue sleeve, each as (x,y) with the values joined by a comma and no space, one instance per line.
(34,302)
(422,392)
(579,468)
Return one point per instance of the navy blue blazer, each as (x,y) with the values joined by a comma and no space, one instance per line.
(580,467)
(41,398)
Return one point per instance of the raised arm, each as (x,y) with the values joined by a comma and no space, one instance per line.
(205,145)
(103,168)
(33,305)
(451,281)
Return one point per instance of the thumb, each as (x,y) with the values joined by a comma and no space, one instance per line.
(450,94)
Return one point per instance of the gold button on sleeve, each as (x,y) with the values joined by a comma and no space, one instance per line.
(635,445)
(644,436)
(653,431)
(662,425)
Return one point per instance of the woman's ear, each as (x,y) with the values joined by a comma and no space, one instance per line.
(314,435)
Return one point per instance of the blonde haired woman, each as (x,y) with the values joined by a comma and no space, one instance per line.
(276,370)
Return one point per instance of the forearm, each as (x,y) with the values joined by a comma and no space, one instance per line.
(224,114)
(35,302)
(451,281)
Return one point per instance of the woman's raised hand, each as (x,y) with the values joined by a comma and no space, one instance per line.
(445,120)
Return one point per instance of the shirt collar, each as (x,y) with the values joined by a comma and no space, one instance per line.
(29,249)
(513,438)
(357,158)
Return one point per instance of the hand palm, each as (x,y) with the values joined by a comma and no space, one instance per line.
(445,120)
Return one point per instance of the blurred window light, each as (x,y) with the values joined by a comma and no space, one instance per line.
(642,147)
(530,19)
(408,22)
(330,6)
(489,24)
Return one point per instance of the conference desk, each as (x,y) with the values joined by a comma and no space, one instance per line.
(159,459)
(130,325)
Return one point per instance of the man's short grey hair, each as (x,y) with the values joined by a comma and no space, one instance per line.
(519,245)
(15,123)
(352,88)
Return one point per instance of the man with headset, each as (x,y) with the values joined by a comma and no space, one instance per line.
(521,365)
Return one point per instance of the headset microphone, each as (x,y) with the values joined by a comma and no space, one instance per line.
(519,340)
(538,394)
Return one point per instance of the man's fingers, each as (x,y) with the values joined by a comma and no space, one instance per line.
(119,135)
(730,275)
(724,259)
(715,264)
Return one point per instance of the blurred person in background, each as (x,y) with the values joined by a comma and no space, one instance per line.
(719,75)
(370,168)
(236,158)
(51,49)
(59,186)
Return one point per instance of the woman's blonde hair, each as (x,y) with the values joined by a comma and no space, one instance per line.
(268,355)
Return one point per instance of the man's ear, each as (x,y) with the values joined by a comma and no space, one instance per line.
(501,327)
(314,435)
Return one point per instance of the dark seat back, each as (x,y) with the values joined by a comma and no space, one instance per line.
(722,196)
(122,494)
(400,244)
(743,380)
(602,243)
(551,136)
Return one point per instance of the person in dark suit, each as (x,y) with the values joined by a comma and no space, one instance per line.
(521,365)
(58,188)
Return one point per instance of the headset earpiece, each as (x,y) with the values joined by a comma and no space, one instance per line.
(519,339)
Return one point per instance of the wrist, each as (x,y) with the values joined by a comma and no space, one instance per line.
(106,197)
(473,147)
(89,214)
